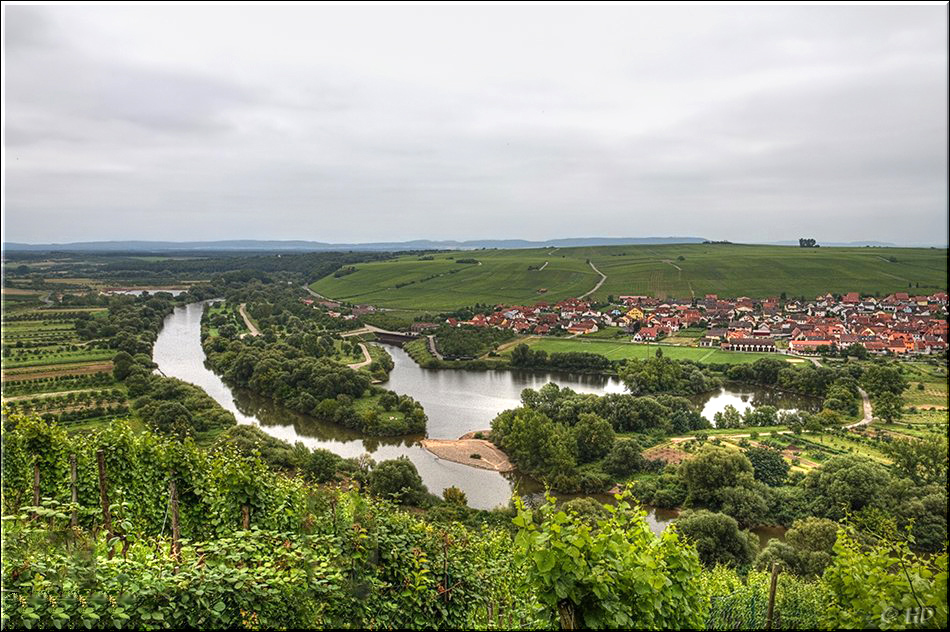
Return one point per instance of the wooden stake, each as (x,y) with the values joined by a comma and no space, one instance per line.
(245,517)
(73,492)
(176,527)
(768,617)
(104,492)
(36,484)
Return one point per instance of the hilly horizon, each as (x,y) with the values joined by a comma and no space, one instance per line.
(258,245)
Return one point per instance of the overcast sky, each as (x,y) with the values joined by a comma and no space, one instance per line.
(355,124)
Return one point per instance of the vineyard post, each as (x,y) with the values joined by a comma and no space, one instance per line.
(176,526)
(104,492)
(768,617)
(36,486)
(245,517)
(73,492)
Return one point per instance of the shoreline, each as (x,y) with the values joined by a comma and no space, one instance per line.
(461,450)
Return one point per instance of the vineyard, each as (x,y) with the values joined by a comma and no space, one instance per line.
(50,368)
(130,530)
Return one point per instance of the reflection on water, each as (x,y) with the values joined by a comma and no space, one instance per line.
(743,397)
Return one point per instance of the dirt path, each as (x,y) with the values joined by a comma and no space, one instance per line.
(603,277)
(252,329)
(70,369)
(868,414)
(432,348)
(369,329)
(367,359)
(543,267)
(17,398)
(461,451)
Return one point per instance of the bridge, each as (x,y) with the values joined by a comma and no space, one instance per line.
(382,335)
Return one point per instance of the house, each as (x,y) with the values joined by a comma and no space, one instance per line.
(759,345)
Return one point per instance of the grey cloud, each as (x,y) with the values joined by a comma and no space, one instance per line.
(733,123)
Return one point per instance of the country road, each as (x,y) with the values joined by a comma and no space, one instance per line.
(432,348)
(367,358)
(603,277)
(868,415)
(251,327)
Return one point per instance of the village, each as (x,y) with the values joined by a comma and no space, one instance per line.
(898,324)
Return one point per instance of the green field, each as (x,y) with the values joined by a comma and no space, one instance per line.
(680,271)
(615,350)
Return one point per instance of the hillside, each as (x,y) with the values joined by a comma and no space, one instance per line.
(679,271)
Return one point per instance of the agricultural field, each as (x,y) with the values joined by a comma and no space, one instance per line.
(48,370)
(927,385)
(499,276)
(680,271)
(617,350)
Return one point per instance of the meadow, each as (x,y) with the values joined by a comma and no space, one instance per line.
(438,281)
(616,350)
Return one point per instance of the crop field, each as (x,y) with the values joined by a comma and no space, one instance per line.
(48,370)
(679,271)
(927,385)
(616,350)
(500,276)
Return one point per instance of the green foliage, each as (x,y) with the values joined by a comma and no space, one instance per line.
(468,341)
(614,574)
(717,538)
(399,480)
(807,549)
(768,465)
(594,437)
(882,584)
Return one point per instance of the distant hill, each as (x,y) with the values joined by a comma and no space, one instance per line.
(254,245)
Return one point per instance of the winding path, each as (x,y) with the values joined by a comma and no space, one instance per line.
(868,414)
(251,327)
(432,348)
(367,358)
(603,277)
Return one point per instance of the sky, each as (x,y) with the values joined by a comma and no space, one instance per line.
(387,123)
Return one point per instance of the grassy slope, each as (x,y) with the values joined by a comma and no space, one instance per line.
(620,350)
(727,270)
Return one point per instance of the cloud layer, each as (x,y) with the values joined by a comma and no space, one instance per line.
(383,123)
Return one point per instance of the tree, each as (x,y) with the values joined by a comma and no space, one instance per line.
(807,549)
(594,436)
(882,378)
(717,538)
(122,364)
(768,464)
(712,470)
(625,458)
(728,417)
(888,406)
(923,460)
(397,479)
(455,496)
(846,484)
(607,575)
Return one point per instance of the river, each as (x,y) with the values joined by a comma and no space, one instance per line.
(456,402)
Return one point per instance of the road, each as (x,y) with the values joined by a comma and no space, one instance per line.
(252,329)
(370,329)
(367,359)
(603,277)
(432,348)
(868,413)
